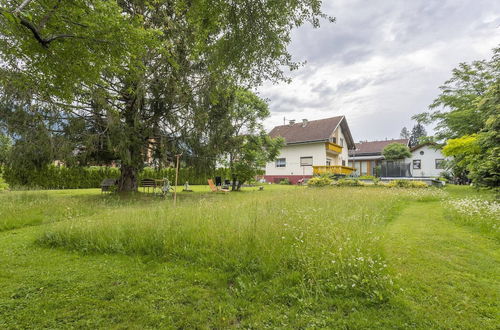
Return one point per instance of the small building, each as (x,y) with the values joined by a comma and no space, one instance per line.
(367,155)
(426,161)
(312,147)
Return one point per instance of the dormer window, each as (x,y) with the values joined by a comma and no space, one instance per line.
(333,140)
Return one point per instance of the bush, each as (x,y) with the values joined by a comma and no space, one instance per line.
(285,181)
(53,177)
(407,184)
(350,183)
(3,184)
(319,181)
(366,177)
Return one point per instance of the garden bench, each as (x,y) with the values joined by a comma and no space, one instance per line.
(107,185)
(148,183)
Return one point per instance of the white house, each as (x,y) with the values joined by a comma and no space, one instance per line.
(426,161)
(312,147)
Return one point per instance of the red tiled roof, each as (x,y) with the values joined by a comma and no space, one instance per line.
(314,130)
(376,146)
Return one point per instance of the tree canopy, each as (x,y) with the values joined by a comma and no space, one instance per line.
(396,151)
(467,113)
(106,81)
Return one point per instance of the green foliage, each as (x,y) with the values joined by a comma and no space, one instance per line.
(405,133)
(466,113)
(248,145)
(5,147)
(285,181)
(366,177)
(3,185)
(349,183)
(319,181)
(111,80)
(459,109)
(418,133)
(396,151)
(53,177)
(406,184)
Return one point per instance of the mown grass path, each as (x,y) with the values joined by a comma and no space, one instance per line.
(450,274)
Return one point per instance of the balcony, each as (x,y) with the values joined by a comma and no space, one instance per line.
(333,169)
(333,147)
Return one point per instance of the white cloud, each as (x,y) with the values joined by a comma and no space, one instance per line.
(382,62)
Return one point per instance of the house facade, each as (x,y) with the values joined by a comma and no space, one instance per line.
(312,147)
(367,156)
(426,160)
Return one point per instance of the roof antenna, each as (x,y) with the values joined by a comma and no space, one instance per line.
(284,120)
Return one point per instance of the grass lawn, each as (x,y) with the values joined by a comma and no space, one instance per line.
(284,257)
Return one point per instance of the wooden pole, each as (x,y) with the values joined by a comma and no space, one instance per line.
(176,177)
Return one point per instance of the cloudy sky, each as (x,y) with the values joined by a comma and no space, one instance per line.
(382,61)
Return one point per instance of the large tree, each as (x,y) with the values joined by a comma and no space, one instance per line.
(248,146)
(110,79)
(467,113)
(417,134)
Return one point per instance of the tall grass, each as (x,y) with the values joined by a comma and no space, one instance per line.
(479,213)
(27,208)
(309,241)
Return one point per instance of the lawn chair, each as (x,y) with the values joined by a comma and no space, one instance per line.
(214,188)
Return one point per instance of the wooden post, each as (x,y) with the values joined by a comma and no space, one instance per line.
(176,177)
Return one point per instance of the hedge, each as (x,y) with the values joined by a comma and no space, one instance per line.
(54,177)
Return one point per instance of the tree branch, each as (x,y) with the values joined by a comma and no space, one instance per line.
(21,7)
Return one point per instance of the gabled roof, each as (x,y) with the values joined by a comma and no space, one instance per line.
(418,146)
(375,147)
(313,131)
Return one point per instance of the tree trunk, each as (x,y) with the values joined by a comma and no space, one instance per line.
(128,179)
(233,187)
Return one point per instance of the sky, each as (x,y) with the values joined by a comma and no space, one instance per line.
(381,62)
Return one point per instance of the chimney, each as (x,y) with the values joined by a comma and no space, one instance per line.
(291,122)
(304,122)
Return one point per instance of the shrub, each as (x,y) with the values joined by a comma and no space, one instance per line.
(3,184)
(350,183)
(285,181)
(53,177)
(407,184)
(366,177)
(319,181)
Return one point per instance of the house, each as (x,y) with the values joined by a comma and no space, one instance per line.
(367,156)
(426,161)
(312,147)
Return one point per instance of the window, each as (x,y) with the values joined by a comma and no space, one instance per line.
(341,142)
(333,140)
(364,167)
(440,164)
(343,163)
(417,164)
(306,161)
(422,152)
(328,162)
(281,162)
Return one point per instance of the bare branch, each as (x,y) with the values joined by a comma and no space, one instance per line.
(21,6)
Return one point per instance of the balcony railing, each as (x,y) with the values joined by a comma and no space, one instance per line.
(333,147)
(333,169)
